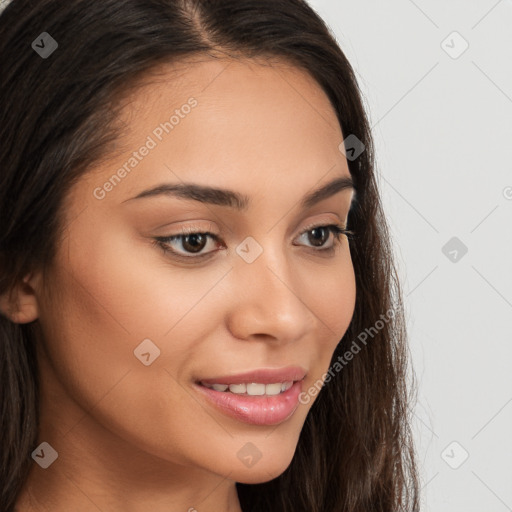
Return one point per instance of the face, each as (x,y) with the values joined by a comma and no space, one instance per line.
(252,282)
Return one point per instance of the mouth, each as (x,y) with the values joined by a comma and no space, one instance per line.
(259,397)
(252,388)
(258,377)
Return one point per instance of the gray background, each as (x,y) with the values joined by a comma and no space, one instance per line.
(443,130)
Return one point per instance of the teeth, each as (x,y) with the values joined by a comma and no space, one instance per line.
(238,388)
(273,389)
(286,385)
(253,389)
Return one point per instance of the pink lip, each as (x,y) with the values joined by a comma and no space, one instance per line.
(261,375)
(256,410)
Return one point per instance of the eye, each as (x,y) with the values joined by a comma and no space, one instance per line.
(193,242)
(319,234)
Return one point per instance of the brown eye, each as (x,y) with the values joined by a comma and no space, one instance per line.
(188,245)
(194,243)
(319,235)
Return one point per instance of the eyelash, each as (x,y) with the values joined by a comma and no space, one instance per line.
(163,242)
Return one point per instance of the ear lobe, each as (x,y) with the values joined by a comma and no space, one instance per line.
(21,305)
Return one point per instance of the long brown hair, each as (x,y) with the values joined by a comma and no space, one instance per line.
(355,452)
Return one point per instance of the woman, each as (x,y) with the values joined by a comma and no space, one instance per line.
(200,309)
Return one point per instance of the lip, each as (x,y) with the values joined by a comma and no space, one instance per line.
(260,375)
(255,410)
(258,409)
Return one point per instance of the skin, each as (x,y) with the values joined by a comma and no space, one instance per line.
(135,438)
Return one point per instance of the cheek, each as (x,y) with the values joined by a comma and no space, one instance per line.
(110,299)
(339,299)
(331,297)
(137,290)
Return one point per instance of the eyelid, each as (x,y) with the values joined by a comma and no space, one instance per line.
(194,228)
(335,228)
(323,222)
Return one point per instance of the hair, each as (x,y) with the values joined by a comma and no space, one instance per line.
(355,452)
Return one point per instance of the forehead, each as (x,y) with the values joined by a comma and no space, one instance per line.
(246,122)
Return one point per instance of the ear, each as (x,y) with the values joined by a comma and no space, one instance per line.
(21,306)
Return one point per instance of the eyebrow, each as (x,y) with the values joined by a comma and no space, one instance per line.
(240,202)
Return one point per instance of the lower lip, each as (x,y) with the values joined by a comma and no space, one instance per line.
(258,409)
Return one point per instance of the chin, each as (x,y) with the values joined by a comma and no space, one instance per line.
(261,472)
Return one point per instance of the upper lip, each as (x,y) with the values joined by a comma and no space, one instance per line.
(260,375)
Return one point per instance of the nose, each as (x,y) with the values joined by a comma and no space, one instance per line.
(269,302)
